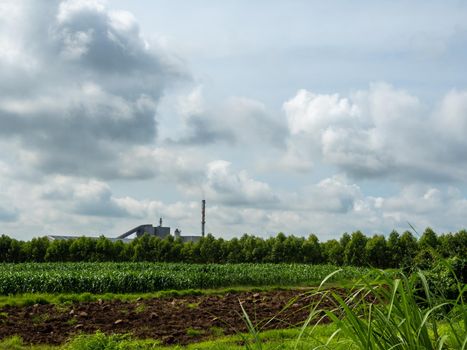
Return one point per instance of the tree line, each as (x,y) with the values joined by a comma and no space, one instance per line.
(356,249)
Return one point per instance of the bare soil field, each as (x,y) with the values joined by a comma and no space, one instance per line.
(180,320)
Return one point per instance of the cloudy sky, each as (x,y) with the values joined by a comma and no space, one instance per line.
(294,116)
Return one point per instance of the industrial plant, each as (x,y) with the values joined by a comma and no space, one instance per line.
(158,231)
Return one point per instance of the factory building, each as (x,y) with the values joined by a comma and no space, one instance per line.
(158,231)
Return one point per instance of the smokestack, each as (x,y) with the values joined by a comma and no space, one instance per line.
(203,216)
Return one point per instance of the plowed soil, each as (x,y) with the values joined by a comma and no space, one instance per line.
(180,320)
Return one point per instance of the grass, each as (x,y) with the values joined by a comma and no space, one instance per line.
(217,331)
(194,332)
(316,337)
(274,339)
(384,310)
(38,319)
(140,308)
(16,343)
(29,299)
(192,306)
(403,313)
(72,321)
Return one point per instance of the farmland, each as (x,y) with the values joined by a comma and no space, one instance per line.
(153,321)
(150,277)
(313,316)
(152,305)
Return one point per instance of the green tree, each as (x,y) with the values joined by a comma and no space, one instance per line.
(453,245)
(344,240)
(58,251)
(104,250)
(5,244)
(37,248)
(408,249)
(311,250)
(333,252)
(82,249)
(118,249)
(292,250)
(278,252)
(233,250)
(393,247)
(377,252)
(355,253)
(144,248)
(428,239)
(209,249)
(187,252)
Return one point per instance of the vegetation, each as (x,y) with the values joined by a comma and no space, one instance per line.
(389,310)
(419,303)
(274,339)
(395,251)
(383,310)
(148,277)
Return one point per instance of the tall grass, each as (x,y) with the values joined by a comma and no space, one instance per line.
(388,311)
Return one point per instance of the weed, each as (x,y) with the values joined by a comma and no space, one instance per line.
(192,305)
(41,318)
(12,343)
(194,332)
(140,308)
(217,331)
(72,321)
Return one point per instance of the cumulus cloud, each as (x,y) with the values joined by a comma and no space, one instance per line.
(91,91)
(80,118)
(235,121)
(91,198)
(236,203)
(334,194)
(427,206)
(382,132)
(236,188)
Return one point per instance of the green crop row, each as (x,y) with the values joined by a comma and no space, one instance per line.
(149,277)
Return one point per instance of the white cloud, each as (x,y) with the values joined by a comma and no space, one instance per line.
(192,103)
(82,132)
(236,121)
(236,188)
(91,97)
(427,206)
(236,203)
(451,117)
(311,113)
(382,132)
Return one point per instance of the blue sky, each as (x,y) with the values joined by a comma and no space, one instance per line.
(293,116)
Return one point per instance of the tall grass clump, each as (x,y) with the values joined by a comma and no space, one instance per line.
(396,311)
(387,310)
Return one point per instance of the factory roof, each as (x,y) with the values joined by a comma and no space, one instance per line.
(61,238)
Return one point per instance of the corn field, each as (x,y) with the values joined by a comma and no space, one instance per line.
(149,277)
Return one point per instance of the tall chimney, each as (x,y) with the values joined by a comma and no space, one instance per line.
(203,216)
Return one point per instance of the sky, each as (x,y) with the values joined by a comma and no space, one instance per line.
(293,116)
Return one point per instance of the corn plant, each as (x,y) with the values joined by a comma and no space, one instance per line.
(147,277)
